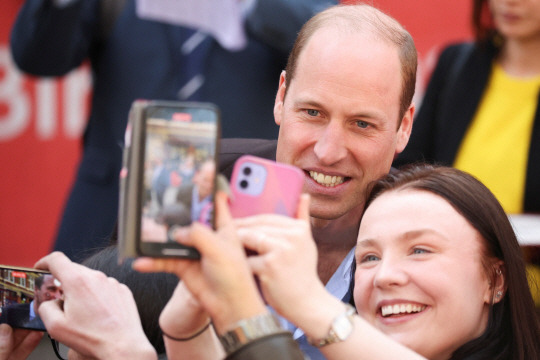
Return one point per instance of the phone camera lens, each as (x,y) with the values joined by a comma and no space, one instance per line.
(244,184)
(247,171)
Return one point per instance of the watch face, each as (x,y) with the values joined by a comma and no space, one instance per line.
(343,327)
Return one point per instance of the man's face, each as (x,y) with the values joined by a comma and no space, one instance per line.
(205,179)
(339,120)
(48,290)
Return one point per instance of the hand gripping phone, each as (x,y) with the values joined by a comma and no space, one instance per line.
(22,291)
(261,186)
(168,176)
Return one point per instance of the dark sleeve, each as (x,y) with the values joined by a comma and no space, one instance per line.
(422,141)
(47,40)
(277,22)
(277,346)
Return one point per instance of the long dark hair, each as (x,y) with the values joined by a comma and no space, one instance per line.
(513,329)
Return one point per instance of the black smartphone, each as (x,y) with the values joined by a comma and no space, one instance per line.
(22,291)
(169,176)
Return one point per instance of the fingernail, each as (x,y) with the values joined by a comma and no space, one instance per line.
(5,330)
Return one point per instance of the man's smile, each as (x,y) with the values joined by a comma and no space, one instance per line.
(326,180)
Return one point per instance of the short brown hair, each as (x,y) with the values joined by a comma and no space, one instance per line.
(360,18)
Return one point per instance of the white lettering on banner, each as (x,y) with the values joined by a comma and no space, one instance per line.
(17,115)
(18,101)
(77,85)
(46,108)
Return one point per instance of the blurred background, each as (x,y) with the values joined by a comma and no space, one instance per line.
(42,119)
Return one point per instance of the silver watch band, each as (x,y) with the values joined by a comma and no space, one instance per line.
(247,330)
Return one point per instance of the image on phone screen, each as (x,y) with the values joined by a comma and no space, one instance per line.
(22,291)
(178,174)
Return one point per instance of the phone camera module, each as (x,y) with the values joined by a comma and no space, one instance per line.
(244,184)
(247,171)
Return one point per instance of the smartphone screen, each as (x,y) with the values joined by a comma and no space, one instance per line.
(22,291)
(173,159)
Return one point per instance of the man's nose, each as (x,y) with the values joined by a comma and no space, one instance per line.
(331,146)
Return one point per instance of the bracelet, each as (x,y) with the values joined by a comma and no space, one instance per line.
(189,337)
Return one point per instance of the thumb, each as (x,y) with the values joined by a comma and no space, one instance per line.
(302,212)
(52,314)
(6,341)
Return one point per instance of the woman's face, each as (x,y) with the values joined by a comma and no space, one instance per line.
(516,19)
(419,276)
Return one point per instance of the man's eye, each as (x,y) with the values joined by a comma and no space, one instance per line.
(312,112)
(362,124)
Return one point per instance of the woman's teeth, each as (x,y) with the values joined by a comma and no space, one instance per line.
(401,309)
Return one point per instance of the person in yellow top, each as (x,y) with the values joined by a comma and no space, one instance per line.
(480,110)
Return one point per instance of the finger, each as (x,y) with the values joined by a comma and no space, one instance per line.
(146,264)
(257,265)
(26,345)
(260,242)
(302,212)
(59,265)
(261,220)
(6,341)
(223,214)
(52,314)
(205,240)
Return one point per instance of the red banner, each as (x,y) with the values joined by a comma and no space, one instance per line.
(41,120)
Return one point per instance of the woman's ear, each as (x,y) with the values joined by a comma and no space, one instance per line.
(498,285)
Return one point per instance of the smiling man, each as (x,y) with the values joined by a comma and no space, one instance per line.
(344,107)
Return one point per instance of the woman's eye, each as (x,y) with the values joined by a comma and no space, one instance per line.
(312,112)
(419,251)
(362,124)
(369,258)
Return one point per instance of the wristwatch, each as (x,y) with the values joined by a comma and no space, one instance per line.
(250,329)
(340,329)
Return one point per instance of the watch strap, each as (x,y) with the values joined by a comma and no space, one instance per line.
(247,330)
(340,329)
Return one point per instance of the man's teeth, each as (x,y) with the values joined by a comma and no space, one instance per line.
(326,180)
(401,309)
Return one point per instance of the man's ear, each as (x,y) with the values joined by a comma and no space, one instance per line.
(404,130)
(280,98)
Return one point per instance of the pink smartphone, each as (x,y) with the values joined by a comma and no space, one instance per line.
(261,186)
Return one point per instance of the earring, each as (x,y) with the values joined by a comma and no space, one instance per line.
(499,294)
(498,271)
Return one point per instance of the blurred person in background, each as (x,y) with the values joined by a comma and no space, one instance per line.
(136,50)
(479,113)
